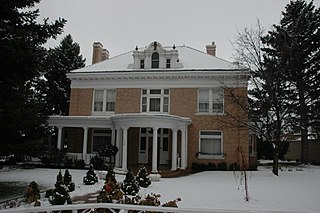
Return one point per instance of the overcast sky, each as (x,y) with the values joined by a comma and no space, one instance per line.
(120,25)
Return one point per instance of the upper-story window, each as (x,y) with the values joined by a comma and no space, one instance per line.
(155,100)
(168,63)
(155,60)
(210,100)
(104,101)
(141,64)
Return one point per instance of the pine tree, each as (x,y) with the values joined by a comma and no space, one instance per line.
(67,179)
(58,63)
(22,116)
(142,177)
(60,193)
(111,174)
(91,177)
(296,44)
(130,185)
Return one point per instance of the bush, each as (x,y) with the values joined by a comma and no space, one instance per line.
(234,167)
(98,163)
(212,167)
(91,177)
(79,164)
(222,166)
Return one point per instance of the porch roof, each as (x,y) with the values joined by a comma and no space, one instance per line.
(122,121)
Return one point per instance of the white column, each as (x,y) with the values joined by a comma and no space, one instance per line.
(59,137)
(174,150)
(155,150)
(117,163)
(125,149)
(113,136)
(85,143)
(183,149)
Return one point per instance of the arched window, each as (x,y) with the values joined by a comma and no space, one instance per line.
(155,60)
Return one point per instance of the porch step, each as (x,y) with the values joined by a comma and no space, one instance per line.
(174,174)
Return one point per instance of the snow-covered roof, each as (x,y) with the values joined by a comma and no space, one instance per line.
(190,58)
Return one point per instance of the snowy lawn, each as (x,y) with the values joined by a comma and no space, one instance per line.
(292,191)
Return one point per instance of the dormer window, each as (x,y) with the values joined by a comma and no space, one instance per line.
(168,63)
(141,64)
(155,60)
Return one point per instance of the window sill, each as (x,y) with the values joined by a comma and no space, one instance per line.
(210,114)
(204,156)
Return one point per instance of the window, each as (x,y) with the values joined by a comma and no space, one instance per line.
(104,101)
(211,143)
(168,64)
(155,100)
(252,144)
(100,138)
(141,64)
(155,60)
(210,100)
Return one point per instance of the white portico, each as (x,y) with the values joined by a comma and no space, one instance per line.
(120,124)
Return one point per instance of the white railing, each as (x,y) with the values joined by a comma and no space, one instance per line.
(88,208)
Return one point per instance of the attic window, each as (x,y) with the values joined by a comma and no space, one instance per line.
(155,60)
(168,64)
(141,64)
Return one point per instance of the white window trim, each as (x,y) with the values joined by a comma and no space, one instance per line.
(104,103)
(210,102)
(206,156)
(161,96)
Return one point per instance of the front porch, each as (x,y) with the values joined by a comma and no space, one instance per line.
(154,140)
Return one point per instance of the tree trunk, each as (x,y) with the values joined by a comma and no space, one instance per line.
(275,165)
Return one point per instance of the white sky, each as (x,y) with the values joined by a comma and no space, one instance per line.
(120,25)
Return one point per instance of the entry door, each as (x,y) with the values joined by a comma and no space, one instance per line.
(163,140)
(143,146)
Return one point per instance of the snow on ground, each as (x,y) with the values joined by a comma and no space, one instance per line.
(293,190)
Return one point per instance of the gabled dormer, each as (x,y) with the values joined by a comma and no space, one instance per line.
(155,57)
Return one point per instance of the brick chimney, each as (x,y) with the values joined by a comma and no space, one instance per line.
(99,54)
(211,49)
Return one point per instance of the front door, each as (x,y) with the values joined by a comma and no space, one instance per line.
(163,141)
(145,146)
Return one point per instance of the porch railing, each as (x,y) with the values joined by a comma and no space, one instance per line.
(90,207)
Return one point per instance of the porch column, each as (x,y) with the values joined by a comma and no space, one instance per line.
(85,143)
(117,163)
(174,149)
(59,137)
(155,150)
(183,149)
(125,149)
(113,136)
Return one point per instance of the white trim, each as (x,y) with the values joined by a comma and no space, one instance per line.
(208,156)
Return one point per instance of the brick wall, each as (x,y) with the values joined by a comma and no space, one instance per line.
(81,102)
(128,101)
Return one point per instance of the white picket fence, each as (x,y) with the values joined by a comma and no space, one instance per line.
(121,208)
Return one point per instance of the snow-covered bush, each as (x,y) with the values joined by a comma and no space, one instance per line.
(91,177)
(67,179)
(143,178)
(130,185)
(60,193)
(110,192)
(33,193)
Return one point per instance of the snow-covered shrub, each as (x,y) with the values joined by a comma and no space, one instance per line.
(172,203)
(110,192)
(91,177)
(60,193)
(67,179)
(130,185)
(143,178)
(33,192)
(111,174)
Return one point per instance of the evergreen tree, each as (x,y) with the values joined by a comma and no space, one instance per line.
(111,174)
(296,44)
(22,117)
(67,179)
(130,185)
(60,193)
(142,177)
(58,63)
(91,177)
(110,192)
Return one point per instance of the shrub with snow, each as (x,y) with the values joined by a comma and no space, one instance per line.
(143,178)
(91,177)
(130,185)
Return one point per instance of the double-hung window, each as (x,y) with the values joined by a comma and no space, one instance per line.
(211,144)
(210,101)
(155,100)
(104,101)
